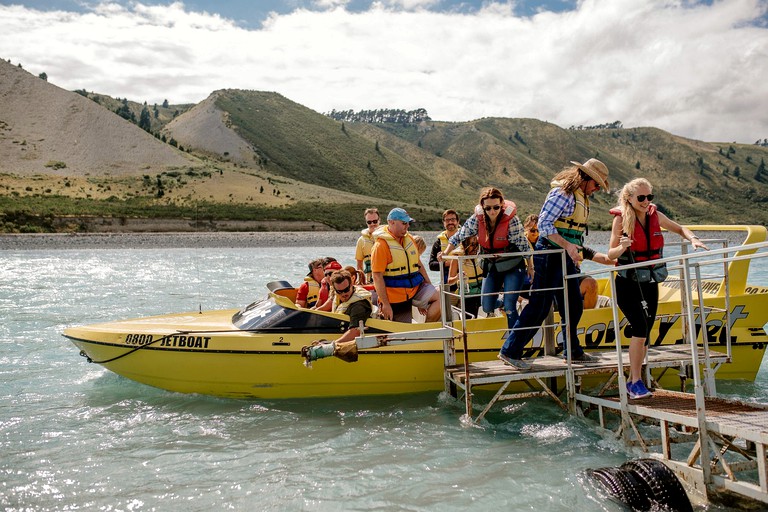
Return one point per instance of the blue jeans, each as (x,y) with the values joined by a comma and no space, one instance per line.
(510,281)
(548,274)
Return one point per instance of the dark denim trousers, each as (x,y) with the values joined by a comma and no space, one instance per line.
(548,270)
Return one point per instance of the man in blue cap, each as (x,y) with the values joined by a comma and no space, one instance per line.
(400,279)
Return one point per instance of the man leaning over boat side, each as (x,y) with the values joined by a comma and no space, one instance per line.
(401,281)
(351,300)
(562,224)
(365,243)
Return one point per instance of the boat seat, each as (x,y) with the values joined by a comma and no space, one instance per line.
(290,293)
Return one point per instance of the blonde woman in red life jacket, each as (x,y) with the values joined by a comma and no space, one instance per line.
(498,230)
(636,237)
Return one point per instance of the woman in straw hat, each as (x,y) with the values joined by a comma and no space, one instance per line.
(562,224)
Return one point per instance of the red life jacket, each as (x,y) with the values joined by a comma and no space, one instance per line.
(499,239)
(648,242)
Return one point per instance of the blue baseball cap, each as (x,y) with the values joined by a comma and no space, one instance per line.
(399,214)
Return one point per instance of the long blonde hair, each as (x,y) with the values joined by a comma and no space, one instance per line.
(628,215)
(570,178)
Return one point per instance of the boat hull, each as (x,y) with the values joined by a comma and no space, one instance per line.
(206,353)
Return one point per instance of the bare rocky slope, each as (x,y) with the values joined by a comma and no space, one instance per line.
(44,128)
(206,128)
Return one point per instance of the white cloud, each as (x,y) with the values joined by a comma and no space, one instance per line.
(692,69)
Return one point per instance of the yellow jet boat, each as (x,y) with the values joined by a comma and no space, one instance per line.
(255,352)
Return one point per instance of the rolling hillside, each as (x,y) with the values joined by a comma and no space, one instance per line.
(255,155)
(46,130)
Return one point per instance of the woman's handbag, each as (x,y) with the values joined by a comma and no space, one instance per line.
(501,265)
(658,273)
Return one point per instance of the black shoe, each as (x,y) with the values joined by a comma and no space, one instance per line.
(582,358)
(516,363)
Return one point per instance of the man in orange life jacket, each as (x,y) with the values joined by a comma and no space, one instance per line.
(400,279)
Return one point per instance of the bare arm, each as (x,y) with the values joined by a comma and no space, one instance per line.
(684,232)
(424,274)
(350,335)
(603,259)
(448,250)
(619,243)
(453,272)
(381,291)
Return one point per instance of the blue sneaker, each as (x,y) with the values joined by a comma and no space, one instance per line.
(517,363)
(637,390)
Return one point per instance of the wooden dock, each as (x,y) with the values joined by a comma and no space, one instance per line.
(487,373)
(731,436)
(717,445)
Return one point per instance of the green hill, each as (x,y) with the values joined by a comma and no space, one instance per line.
(298,143)
(255,155)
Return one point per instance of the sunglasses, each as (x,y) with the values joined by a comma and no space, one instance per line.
(496,207)
(533,230)
(451,220)
(343,291)
(329,274)
(369,222)
(642,197)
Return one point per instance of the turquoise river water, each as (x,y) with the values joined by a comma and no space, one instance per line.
(74,436)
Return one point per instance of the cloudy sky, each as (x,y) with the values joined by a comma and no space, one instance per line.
(694,68)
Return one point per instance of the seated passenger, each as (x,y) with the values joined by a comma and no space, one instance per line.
(325,299)
(588,284)
(473,274)
(308,293)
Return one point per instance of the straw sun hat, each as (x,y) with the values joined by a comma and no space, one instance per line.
(596,170)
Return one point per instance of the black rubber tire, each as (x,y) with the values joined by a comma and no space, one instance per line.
(665,489)
(623,486)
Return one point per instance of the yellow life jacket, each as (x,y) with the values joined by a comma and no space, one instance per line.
(359,294)
(443,237)
(572,228)
(313,293)
(368,240)
(403,271)
(473,272)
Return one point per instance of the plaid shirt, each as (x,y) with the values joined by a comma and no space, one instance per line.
(558,204)
(515,234)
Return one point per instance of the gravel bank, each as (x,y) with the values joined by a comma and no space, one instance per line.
(176,240)
(16,242)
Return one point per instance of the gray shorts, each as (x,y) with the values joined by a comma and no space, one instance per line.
(402,311)
(424,293)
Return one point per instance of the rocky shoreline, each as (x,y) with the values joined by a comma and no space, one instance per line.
(177,240)
(255,239)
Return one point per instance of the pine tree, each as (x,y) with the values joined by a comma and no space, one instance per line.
(144,120)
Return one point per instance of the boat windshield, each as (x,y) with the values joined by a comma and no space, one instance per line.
(266,315)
